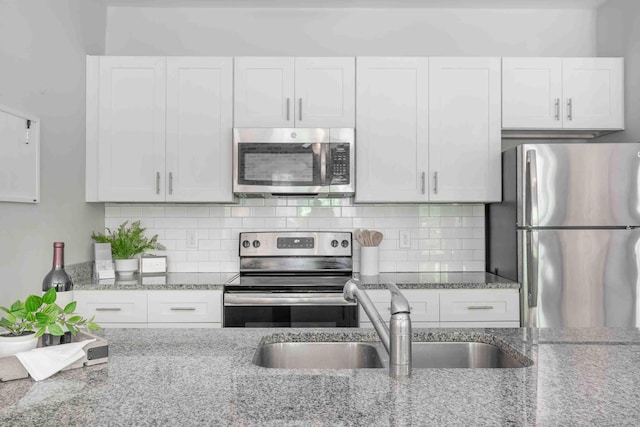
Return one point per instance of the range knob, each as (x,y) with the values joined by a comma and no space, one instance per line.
(345,243)
(246,243)
(334,243)
(256,243)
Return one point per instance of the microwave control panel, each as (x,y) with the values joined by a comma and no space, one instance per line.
(340,163)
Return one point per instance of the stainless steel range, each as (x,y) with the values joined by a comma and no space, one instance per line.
(291,279)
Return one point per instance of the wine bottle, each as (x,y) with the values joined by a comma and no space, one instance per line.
(59,279)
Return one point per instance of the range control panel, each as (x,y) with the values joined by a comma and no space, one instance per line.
(295,243)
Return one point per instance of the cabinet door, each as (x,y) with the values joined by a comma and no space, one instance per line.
(113,307)
(131,133)
(199,128)
(325,90)
(424,306)
(480,306)
(593,93)
(392,129)
(531,93)
(263,95)
(464,129)
(185,306)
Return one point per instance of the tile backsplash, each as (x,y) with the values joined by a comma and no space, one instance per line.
(443,237)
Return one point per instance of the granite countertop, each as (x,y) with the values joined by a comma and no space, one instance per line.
(207,281)
(205,377)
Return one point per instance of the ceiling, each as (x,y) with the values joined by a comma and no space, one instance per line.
(472,4)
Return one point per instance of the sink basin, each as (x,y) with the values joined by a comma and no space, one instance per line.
(458,355)
(356,355)
(318,355)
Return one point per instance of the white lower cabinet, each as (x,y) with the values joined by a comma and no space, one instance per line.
(480,306)
(181,307)
(153,309)
(430,308)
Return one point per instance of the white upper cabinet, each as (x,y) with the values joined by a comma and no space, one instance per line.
(159,129)
(199,129)
(464,130)
(392,129)
(294,92)
(593,91)
(562,93)
(131,128)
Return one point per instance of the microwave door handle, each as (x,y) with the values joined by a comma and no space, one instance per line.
(323,163)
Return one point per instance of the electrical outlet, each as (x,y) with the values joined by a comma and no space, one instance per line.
(192,238)
(405,239)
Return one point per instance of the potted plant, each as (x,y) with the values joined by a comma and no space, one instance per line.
(36,316)
(126,244)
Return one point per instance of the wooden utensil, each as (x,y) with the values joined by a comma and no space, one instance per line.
(358,234)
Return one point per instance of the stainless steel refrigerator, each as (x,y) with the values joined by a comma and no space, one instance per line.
(568,230)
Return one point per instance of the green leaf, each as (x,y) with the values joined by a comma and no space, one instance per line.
(52,309)
(50,296)
(56,330)
(70,308)
(71,328)
(93,326)
(74,319)
(33,303)
(42,318)
(20,314)
(30,317)
(40,332)
(15,306)
(10,318)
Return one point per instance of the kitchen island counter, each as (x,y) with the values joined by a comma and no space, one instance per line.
(206,377)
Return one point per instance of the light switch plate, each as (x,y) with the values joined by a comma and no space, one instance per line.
(405,239)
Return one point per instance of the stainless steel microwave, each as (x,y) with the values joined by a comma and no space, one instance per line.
(293,162)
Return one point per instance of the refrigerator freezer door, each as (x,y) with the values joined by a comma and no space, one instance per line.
(585,278)
(579,185)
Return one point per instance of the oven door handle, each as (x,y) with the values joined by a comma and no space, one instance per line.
(283,299)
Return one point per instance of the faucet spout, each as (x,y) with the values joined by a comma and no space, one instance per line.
(396,339)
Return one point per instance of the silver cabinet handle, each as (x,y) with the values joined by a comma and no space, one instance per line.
(288,107)
(480,307)
(557,105)
(531,192)
(183,309)
(108,309)
(569,109)
(423,182)
(300,109)
(435,183)
(170,183)
(157,182)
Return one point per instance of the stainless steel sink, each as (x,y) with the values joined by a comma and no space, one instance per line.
(458,355)
(318,355)
(355,355)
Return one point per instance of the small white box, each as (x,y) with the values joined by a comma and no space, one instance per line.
(150,264)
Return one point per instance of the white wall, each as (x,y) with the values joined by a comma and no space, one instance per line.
(42,72)
(340,32)
(618,34)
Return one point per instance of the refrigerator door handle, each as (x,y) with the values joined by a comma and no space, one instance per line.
(532,190)
(532,267)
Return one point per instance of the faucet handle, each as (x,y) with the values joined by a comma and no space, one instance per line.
(399,303)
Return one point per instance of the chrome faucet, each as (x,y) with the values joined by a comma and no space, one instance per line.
(396,338)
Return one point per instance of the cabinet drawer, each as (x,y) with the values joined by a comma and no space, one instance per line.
(185,306)
(113,307)
(424,305)
(480,306)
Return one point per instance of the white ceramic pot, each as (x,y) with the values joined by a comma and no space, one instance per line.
(11,344)
(126,267)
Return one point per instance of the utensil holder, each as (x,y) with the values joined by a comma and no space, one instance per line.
(369,261)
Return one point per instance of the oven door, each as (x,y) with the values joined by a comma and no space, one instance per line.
(288,310)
